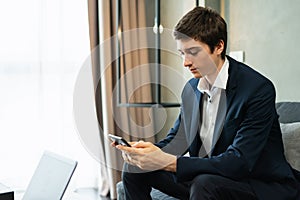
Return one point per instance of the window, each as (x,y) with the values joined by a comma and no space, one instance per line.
(43,44)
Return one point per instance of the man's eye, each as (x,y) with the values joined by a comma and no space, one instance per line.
(193,53)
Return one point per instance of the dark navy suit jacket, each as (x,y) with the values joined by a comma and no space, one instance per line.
(249,146)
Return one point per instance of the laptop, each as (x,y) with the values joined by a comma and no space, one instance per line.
(51,178)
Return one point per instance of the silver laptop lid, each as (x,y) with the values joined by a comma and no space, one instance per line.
(50,178)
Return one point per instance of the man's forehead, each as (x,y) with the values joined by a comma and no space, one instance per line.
(187,44)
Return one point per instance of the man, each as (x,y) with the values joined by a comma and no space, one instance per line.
(228,124)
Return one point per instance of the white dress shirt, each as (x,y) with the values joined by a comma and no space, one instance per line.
(210,105)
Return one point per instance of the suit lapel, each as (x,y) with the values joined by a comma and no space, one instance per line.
(196,117)
(220,118)
(232,82)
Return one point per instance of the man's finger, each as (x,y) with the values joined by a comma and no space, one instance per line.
(142,144)
(127,149)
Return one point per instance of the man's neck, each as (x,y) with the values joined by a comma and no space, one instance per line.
(212,77)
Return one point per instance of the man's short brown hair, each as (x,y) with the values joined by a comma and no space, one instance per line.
(204,25)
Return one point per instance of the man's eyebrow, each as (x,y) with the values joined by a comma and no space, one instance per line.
(191,48)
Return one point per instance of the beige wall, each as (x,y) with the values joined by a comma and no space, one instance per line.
(268,31)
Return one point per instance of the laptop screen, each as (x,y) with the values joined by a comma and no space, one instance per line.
(50,178)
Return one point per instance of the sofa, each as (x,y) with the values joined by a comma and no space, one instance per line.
(289,118)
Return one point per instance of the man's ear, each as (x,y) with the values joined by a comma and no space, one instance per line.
(219,47)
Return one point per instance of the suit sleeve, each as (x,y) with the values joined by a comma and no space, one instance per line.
(251,136)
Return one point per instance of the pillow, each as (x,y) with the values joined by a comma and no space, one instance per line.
(291,142)
(288,112)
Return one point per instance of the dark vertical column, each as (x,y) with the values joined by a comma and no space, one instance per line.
(118,50)
(157,53)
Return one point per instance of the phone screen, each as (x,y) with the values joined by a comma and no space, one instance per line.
(119,140)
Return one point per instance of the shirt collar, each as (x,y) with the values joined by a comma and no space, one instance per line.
(221,80)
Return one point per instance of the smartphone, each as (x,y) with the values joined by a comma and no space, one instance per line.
(119,140)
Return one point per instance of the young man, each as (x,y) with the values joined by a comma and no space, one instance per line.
(228,124)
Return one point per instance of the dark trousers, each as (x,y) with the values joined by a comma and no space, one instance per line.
(137,185)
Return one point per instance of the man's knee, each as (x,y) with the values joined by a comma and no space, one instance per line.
(204,186)
(126,176)
(206,180)
(134,175)
(130,174)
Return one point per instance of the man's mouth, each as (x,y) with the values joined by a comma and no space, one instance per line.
(193,70)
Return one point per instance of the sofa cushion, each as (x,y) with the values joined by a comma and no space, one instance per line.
(291,141)
(288,112)
(158,195)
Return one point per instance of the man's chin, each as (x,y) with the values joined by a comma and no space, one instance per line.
(197,76)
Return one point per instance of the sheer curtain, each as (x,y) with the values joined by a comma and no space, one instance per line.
(131,123)
(43,45)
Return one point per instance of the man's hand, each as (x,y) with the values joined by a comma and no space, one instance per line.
(147,156)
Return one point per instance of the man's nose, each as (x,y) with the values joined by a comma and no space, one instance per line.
(187,62)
